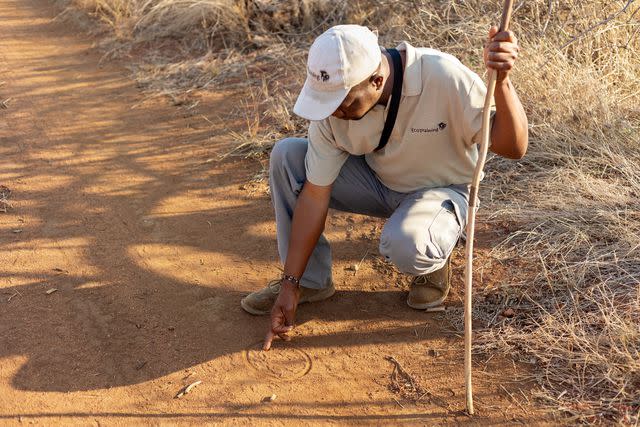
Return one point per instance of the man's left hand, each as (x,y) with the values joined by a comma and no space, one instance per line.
(501,52)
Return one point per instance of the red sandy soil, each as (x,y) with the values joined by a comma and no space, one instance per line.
(120,203)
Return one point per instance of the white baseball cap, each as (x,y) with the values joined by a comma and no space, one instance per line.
(339,59)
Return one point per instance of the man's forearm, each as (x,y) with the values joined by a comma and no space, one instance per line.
(509,133)
(309,218)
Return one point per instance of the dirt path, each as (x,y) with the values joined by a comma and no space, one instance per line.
(151,245)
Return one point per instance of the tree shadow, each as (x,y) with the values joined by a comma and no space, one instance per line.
(149,243)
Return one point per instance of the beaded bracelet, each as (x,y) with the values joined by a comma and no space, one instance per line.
(292,279)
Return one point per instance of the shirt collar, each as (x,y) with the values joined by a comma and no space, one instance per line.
(412,85)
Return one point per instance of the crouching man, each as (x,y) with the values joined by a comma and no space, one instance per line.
(393,134)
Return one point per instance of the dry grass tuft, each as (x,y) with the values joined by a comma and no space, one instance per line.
(572,203)
(5,194)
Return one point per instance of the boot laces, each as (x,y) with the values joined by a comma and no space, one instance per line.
(421,280)
(275,285)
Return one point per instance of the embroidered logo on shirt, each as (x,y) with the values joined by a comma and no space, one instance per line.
(441,126)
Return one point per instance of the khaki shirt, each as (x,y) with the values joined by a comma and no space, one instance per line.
(433,143)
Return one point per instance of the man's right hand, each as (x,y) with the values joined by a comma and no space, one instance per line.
(308,221)
(283,313)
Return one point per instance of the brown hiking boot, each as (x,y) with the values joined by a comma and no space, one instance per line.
(260,302)
(430,290)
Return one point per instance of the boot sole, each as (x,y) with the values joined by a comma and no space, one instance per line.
(252,310)
(320,296)
(426,305)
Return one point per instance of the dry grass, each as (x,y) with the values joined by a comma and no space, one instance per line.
(572,203)
(5,194)
(182,47)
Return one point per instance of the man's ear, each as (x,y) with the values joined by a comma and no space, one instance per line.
(377,81)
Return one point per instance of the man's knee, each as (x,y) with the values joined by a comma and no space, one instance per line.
(287,152)
(410,256)
(402,251)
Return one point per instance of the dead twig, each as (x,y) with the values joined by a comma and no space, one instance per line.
(514,399)
(599,24)
(399,404)
(187,389)
(403,383)
(546,22)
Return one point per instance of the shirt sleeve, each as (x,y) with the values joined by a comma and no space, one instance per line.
(324,158)
(472,112)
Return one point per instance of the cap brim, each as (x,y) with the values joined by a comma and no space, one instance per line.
(316,105)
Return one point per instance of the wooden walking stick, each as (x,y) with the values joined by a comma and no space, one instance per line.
(471,220)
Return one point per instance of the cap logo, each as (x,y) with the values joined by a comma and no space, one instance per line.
(323,76)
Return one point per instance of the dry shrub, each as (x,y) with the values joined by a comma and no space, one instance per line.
(574,205)
(5,195)
(572,202)
(204,21)
(204,27)
(183,46)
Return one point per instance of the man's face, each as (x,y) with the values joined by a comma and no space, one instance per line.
(361,99)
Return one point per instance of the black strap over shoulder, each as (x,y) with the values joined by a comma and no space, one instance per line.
(395,98)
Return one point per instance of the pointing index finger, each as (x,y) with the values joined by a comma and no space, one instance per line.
(267,341)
